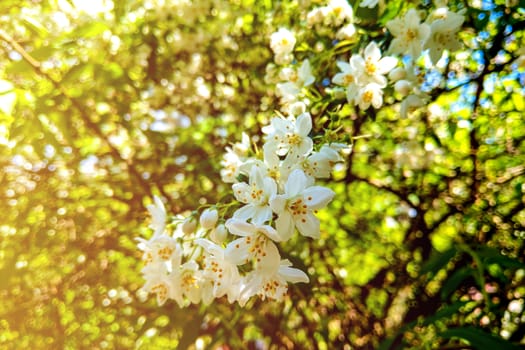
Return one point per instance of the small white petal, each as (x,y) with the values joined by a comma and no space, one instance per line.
(386,64)
(304,124)
(277,203)
(240,227)
(246,212)
(293,275)
(285,225)
(237,252)
(296,183)
(373,52)
(317,197)
(262,214)
(310,227)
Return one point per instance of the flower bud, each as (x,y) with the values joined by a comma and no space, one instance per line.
(397,74)
(403,87)
(297,108)
(189,225)
(219,234)
(209,218)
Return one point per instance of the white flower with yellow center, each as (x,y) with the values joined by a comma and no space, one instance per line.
(291,89)
(255,195)
(289,136)
(161,248)
(372,67)
(295,208)
(282,42)
(370,95)
(444,26)
(271,277)
(158,216)
(347,77)
(220,270)
(158,282)
(187,279)
(254,242)
(339,11)
(409,34)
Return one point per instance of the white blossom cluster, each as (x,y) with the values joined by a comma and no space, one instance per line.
(279,196)
(365,76)
(232,249)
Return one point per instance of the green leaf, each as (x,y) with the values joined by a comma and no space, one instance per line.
(479,339)
(455,280)
(494,256)
(445,312)
(437,261)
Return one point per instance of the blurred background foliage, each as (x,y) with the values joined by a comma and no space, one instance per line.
(104,104)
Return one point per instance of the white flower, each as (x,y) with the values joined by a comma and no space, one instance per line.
(233,159)
(222,272)
(347,77)
(158,216)
(282,42)
(371,94)
(161,248)
(289,135)
(339,11)
(208,218)
(316,15)
(409,34)
(295,207)
(231,163)
(158,282)
(291,90)
(187,280)
(347,32)
(444,25)
(270,278)
(255,195)
(319,164)
(372,67)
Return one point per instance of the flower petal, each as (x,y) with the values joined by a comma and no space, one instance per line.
(285,225)
(296,183)
(386,64)
(372,52)
(245,213)
(304,124)
(317,197)
(277,203)
(262,214)
(237,252)
(240,227)
(293,275)
(309,225)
